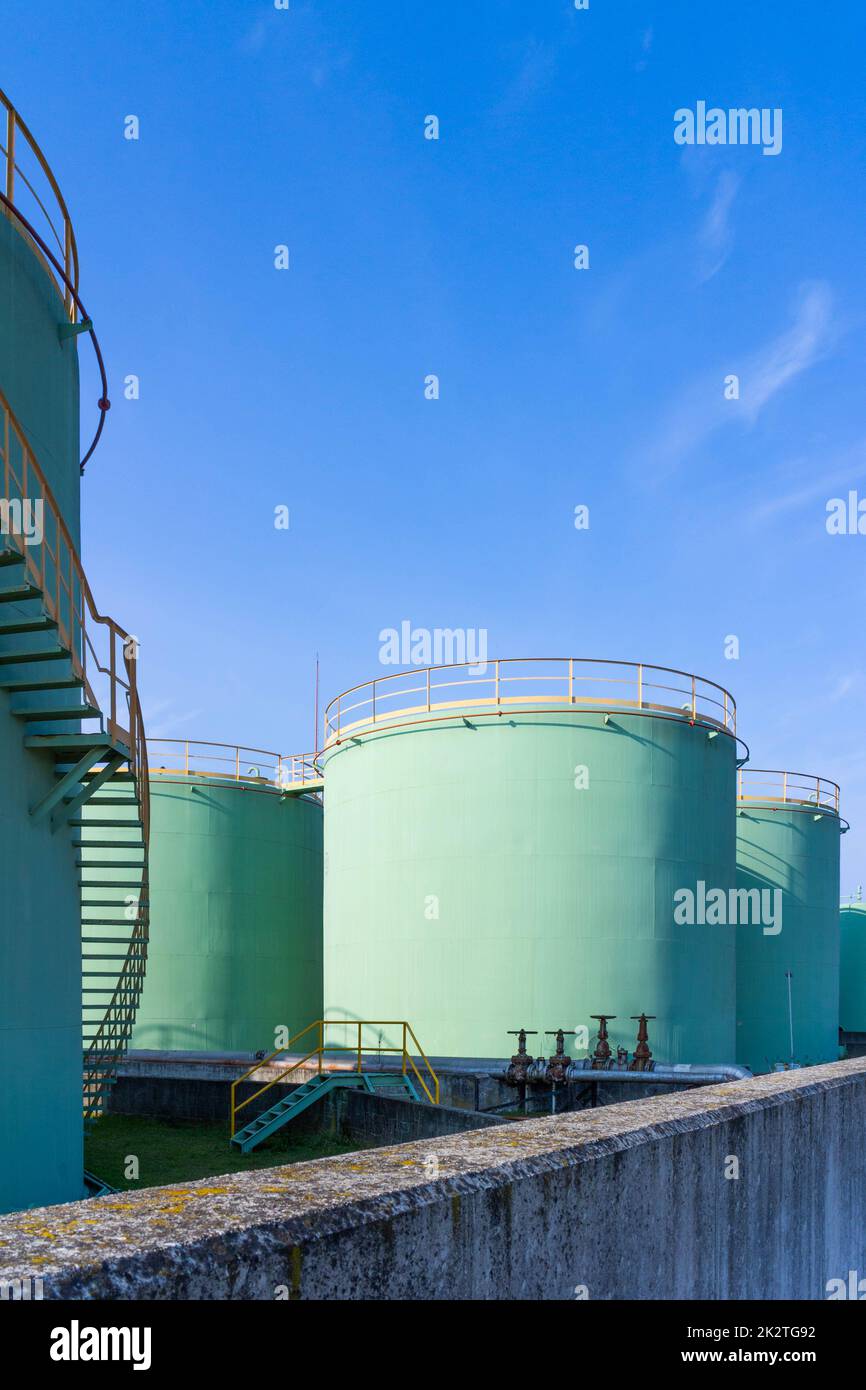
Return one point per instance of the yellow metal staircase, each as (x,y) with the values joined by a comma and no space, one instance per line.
(321,1050)
(65,665)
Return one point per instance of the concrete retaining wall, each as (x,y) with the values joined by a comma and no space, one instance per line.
(634,1200)
(355,1116)
(183,1085)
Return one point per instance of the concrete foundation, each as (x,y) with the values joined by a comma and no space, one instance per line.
(755,1189)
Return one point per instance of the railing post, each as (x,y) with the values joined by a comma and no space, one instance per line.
(374,702)
(498,698)
(571,680)
(71,308)
(784,786)
(694,700)
(359,1046)
(428,689)
(404,1047)
(186,757)
(132,670)
(10,154)
(640,686)
(321,1042)
(112,673)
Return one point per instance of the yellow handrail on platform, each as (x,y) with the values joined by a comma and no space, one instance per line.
(356,1048)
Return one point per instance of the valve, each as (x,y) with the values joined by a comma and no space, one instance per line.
(557,1065)
(516,1072)
(601,1056)
(642,1060)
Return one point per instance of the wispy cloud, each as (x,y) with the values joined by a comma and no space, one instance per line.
(715,238)
(703,408)
(162,722)
(814,479)
(793,352)
(846,685)
(646,44)
(536,66)
(253,40)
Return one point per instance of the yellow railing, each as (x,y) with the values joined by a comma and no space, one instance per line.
(532,683)
(32,189)
(323,1047)
(198,758)
(797,788)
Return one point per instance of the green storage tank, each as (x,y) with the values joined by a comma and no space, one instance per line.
(41,1143)
(852,967)
(236,899)
(788,831)
(504,844)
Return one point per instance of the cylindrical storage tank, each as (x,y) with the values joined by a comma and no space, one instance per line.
(852,967)
(41,1142)
(788,832)
(505,844)
(236,899)
(39,366)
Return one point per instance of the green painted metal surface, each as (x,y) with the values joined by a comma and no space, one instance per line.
(781,847)
(236,916)
(38,373)
(852,967)
(472,887)
(41,1156)
(41,1153)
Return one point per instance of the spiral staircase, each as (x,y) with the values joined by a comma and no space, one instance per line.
(71,675)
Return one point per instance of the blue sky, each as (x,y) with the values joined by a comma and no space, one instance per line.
(558,387)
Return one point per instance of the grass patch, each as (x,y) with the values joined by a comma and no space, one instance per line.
(170,1151)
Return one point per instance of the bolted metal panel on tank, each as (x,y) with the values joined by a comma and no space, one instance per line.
(788,979)
(236,916)
(474,884)
(852,967)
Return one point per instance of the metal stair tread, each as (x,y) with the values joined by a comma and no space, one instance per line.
(24,658)
(58,713)
(22,593)
(27,683)
(20,625)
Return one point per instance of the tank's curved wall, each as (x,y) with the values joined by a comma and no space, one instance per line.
(782,848)
(235,918)
(38,371)
(40,949)
(852,967)
(471,887)
(40,987)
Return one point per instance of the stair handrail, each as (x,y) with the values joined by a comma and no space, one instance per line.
(323,1047)
(72,607)
(71,589)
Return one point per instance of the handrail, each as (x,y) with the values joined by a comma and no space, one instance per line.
(800,788)
(236,762)
(53,567)
(322,1047)
(64,276)
(15,127)
(639,688)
